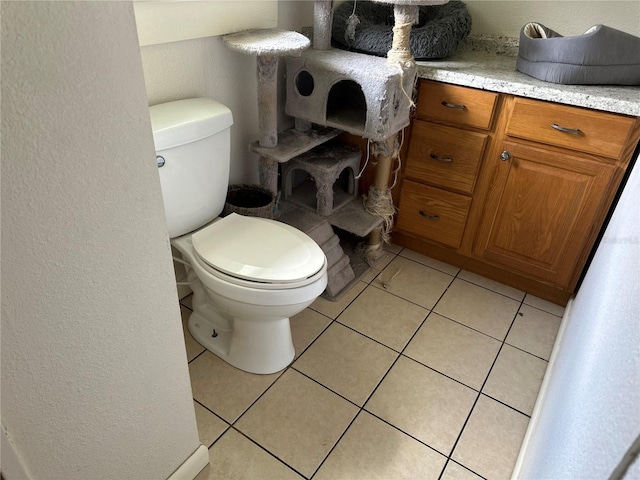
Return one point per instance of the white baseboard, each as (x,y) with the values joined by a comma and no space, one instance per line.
(12,467)
(542,393)
(193,465)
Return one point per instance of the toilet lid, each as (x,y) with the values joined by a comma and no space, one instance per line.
(258,250)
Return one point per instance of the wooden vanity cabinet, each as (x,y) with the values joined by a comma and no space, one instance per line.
(448,140)
(537,195)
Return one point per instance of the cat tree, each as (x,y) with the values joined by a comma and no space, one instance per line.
(344,91)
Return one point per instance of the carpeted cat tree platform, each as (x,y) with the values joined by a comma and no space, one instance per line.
(330,91)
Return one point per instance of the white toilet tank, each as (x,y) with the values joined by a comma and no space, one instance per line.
(192,140)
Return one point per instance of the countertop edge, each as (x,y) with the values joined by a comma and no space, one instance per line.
(498,74)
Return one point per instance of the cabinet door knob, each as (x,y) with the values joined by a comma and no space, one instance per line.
(430,217)
(506,155)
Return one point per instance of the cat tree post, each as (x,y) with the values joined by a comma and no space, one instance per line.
(404,17)
(268,45)
(379,201)
(322,18)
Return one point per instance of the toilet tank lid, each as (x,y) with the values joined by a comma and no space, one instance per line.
(185,121)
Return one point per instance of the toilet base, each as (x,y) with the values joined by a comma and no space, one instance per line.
(255,347)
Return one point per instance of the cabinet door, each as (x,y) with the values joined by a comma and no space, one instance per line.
(542,215)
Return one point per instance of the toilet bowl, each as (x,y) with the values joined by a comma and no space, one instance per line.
(248,275)
(244,292)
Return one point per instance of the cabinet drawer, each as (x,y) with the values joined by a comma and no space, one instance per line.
(600,133)
(445,156)
(432,213)
(441,102)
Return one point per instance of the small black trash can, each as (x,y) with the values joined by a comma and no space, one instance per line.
(249,200)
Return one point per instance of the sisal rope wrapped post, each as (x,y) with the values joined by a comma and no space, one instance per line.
(404,18)
(379,202)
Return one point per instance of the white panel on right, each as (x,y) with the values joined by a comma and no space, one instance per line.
(588,412)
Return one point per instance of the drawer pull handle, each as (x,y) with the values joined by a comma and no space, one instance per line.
(453,105)
(575,131)
(427,216)
(441,159)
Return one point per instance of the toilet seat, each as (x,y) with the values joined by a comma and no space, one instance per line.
(258,252)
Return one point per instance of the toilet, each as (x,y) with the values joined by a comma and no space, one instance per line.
(248,275)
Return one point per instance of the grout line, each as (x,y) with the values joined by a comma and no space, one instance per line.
(325,387)
(542,309)
(460,465)
(440,373)
(491,290)
(525,351)
(405,433)
(406,300)
(505,404)
(227,428)
(295,358)
(464,425)
(282,372)
(371,338)
(400,354)
(432,267)
(471,328)
(211,411)
(197,356)
(270,453)
(336,443)
(414,303)
(290,366)
(347,306)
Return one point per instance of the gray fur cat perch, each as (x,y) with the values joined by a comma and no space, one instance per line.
(268,45)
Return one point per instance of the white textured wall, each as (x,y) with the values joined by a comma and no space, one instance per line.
(590,413)
(171,21)
(94,373)
(567,17)
(205,67)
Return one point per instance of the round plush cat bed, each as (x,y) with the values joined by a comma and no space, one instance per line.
(600,56)
(439,32)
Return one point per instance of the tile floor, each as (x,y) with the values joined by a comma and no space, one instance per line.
(420,371)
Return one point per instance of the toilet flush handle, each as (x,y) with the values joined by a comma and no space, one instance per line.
(160,161)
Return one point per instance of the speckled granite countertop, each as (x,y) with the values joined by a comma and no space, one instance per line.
(489,63)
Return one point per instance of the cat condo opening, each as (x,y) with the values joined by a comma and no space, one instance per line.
(324,179)
(357,93)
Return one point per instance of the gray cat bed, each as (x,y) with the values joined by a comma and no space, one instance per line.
(602,55)
(439,32)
